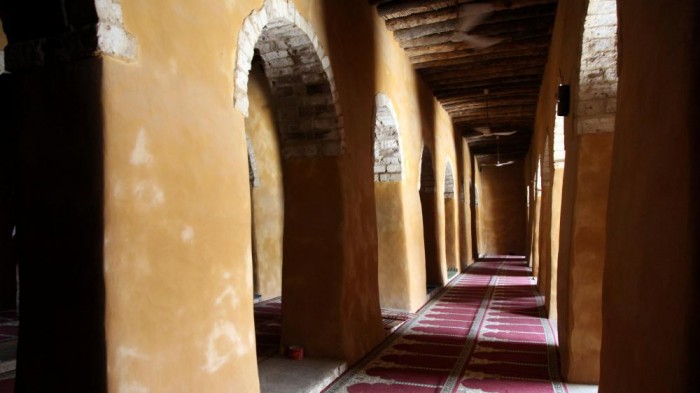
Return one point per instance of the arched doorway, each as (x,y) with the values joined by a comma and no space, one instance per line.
(433,273)
(450,225)
(393,271)
(302,98)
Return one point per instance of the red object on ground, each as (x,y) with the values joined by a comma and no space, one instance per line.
(295,352)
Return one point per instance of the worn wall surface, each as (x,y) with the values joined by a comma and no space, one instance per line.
(178,238)
(650,288)
(629,236)
(503,205)
(451,233)
(575,250)
(465,209)
(421,121)
(9,149)
(267,189)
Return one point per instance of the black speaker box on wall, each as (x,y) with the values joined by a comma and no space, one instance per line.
(563,99)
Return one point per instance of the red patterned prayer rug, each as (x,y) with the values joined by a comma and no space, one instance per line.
(268,325)
(486,332)
(9,327)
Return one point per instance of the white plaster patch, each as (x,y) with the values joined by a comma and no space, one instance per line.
(112,38)
(227,275)
(187,234)
(118,190)
(140,154)
(230,293)
(223,336)
(125,354)
(149,194)
(172,63)
(143,265)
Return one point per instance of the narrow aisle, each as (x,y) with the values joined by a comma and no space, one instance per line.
(487,332)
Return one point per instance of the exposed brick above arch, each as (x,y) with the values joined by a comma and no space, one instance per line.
(388,166)
(427,174)
(597,96)
(449,181)
(300,77)
(112,37)
(68,31)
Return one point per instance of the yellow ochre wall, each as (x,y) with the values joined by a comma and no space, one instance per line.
(626,249)
(503,207)
(575,250)
(421,120)
(650,287)
(268,193)
(178,250)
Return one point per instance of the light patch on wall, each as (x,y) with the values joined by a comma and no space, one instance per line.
(118,190)
(149,194)
(228,292)
(131,387)
(187,234)
(249,268)
(142,264)
(173,66)
(124,356)
(140,154)
(222,343)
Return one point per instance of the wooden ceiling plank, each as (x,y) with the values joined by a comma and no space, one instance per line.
(401,9)
(461,58)
(498,21)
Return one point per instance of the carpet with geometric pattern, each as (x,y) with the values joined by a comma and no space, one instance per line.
(486,332)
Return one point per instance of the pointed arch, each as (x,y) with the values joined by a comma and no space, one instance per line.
(426,177)
(449,180)
(433,270)
(388,166)
(252,165)
(450,204)
(300,76)
(597,93)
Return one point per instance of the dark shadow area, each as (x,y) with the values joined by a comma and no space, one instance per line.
(9,156)
(58,117)
(694,362)
(53,122)
(351,48)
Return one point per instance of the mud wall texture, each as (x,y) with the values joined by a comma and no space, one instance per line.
(650,290)
(622,144)
(503,209)
(149,187)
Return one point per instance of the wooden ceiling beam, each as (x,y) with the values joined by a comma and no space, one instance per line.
(478,106)
(401,9)
(442,32)
(460,58)
(495,23)
(478,101)
(495,92)
(521,121)
(485,83)
(503,113)
(494,78)
(490,68)
(413,20)
(511,44)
